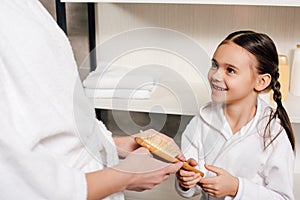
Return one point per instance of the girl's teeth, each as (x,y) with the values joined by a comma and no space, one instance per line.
(218,88)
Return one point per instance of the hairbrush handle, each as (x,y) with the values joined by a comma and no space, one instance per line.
(188,167)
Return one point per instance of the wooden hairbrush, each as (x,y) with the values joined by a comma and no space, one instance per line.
(163,148)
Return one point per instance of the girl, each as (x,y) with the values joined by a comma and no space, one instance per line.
(244,146)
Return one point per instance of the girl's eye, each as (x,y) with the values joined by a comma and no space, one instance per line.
(231,71)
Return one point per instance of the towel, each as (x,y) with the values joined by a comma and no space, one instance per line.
(120,82)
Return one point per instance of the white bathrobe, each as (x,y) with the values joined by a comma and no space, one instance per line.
(263,174)
(49,133)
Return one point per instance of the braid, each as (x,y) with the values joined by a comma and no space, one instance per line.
(276,89)
(280,113)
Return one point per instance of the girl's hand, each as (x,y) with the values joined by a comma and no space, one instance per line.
(224,184)
(188,179)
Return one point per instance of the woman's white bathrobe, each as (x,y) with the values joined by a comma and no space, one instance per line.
(46,121)
(263,174)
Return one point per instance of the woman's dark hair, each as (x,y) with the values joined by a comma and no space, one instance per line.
(264,49)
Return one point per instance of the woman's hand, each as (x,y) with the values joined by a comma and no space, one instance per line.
(188,179)
(125,145)
(224,184)
(145,171)
(138,171)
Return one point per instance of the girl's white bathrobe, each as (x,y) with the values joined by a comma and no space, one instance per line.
(49,132)
(263,174)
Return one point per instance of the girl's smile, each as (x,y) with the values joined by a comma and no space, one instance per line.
(217,88)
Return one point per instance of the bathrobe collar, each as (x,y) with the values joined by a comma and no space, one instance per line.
(213,115)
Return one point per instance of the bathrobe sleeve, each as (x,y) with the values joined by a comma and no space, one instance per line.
(36,175)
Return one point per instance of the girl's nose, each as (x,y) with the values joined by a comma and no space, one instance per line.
(217,75)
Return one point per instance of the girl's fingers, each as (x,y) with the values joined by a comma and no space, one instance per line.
(188,178)
(214,169)
(188,184)
(188,181)
(183,172)
(192,162)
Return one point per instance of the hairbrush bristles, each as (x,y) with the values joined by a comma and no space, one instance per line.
(163,147)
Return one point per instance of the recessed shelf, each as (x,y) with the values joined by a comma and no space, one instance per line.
(183,102)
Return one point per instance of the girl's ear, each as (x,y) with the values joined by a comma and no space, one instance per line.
(262,82)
